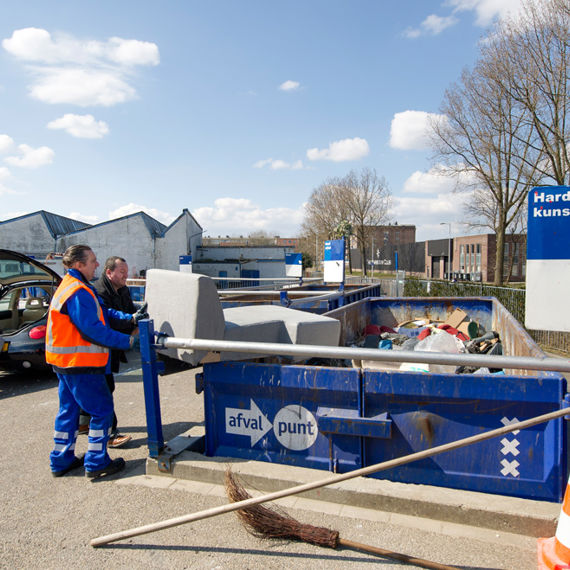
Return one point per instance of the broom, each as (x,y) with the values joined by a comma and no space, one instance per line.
(265,522)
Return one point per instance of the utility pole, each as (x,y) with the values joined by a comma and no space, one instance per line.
(372,255)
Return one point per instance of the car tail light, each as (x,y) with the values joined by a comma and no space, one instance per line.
(37,332)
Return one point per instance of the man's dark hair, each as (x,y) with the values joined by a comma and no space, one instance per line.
(75,253)
(111,263)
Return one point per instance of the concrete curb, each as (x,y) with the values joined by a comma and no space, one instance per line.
(495,512)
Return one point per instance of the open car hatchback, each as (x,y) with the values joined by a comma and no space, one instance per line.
(26,289)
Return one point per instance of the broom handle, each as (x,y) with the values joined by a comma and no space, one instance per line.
(395,555)
(230,507)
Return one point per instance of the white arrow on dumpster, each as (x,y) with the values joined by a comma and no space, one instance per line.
(251,423)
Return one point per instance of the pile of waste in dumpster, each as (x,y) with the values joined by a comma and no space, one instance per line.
(457,334)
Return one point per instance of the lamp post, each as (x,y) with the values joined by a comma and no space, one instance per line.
(448,224)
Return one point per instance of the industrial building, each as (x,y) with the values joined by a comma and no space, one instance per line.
(143,241)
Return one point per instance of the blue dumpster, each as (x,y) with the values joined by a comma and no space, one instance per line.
(269,412)
(342,418)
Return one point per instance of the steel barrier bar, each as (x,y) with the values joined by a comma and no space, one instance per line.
(276,293)
(306,350)
(289,279)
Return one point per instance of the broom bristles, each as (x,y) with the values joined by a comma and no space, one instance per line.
(272,522)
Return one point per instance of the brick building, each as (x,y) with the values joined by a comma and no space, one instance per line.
(473,258)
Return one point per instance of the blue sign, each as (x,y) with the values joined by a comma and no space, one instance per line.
(548,259)
(184,259)
(333,261)
(549,223)
(294,259)
(294,264)
(334,250)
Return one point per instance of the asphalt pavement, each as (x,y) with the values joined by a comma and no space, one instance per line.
(48,523)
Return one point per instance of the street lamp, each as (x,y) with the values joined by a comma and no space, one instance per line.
(448,249)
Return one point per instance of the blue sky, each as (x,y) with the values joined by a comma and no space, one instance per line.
(235,110)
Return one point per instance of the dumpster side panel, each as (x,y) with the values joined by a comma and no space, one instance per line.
(428,410)
(353,319)
(270,413)
(514,337)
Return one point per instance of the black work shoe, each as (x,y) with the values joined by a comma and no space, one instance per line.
(114,467)
(77,462)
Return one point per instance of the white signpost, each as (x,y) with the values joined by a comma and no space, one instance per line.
(294,265)
(334,261)
(548,259)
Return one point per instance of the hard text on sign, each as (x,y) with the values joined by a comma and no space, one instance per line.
(548,259)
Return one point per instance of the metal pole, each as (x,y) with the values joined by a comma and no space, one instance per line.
(307,350)
(372,255)
(449,255)
(151,369)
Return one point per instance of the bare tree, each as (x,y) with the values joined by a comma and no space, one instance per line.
(531,57)
(359,199)
(368,199)
(324,211)
(491,141)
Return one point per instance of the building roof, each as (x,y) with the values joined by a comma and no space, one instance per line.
(155,228)
(57,225)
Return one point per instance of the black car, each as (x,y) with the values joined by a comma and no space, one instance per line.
(26,289)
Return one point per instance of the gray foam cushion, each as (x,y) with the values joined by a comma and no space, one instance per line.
(184,305)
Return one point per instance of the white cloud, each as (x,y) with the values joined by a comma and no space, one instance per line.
(37,45)
(132,52)
(14,214)
(82,87)
(80,72)
(31,157)
(487,10)
(437,180)
(289,85)
(410,129)
(80,126)
(4,176)
(433,25)
(132,208)
(277,164)
(6,143)
(444,207)
(240,216)
(88,219)
(340,151)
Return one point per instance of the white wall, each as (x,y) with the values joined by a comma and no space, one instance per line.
(253,253)
(29,236)
(181,238)
(125,237)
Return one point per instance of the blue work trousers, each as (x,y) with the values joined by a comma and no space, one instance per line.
(90,393)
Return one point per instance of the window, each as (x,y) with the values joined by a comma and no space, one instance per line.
(516,259)
(478,258)
(462,258)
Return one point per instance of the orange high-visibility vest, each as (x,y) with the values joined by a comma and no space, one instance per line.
(65,347)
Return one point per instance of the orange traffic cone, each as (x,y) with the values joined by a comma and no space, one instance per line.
(554,553)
